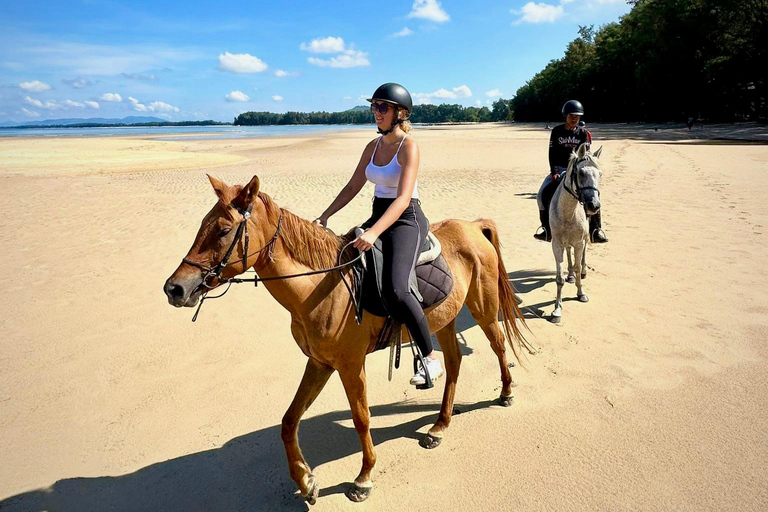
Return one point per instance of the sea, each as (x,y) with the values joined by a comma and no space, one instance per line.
(185,132)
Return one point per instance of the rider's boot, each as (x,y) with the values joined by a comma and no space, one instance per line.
(545,235)
(596,233)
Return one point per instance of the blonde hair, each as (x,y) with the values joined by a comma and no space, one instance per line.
(405,124)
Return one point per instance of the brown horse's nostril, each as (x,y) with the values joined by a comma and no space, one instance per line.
(173,291)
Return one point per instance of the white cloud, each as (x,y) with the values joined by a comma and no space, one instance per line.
(494,93)
(34,86)
(138,107)
(161,106)
(324,45)
(241,63)
(281,73)
(347,98)
(538,13)
(33,101)
(479,103)
(111,96)
(403,33)
(77,83)
(237,96)
(94,105)
(347,59)
(30,113)
(277,97)
(70,103)
(428,10)
(425,98)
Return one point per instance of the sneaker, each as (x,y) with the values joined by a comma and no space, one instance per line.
(543,235)
(435,370)
(598,237)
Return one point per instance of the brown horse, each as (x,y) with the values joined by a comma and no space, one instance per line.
(322,313)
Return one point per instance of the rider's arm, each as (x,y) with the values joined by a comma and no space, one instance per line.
(552,150)
(354,186)
(410,168)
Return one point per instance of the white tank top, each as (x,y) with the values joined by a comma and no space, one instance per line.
(387,177)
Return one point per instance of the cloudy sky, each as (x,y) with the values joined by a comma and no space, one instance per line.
(213,60)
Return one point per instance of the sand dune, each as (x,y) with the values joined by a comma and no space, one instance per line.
(653,396)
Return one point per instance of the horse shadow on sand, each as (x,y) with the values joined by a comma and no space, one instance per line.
(247,473)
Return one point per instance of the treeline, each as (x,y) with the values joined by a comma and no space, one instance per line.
(361,115)
(120,125)
(666,60)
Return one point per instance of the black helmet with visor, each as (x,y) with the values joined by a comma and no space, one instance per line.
(396,95)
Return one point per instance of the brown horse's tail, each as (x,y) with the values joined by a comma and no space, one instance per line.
(510,312)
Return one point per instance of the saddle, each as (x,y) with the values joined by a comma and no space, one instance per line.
(431,283)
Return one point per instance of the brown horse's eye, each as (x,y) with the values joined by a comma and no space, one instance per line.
(224,232)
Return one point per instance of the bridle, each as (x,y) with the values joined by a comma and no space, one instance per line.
(575,184)
(214,273)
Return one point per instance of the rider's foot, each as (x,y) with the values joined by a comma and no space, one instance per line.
(598,237)
(543,235)
(435,370)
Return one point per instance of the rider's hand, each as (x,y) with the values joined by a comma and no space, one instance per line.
(365,241)
(322,220)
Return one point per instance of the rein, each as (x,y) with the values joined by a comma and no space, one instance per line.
(214,273)
(575,184)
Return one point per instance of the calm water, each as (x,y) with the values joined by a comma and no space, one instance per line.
(185,132)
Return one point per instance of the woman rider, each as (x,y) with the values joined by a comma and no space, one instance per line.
(391,162)
(564,140)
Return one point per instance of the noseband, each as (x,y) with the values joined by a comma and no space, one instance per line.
(214,273)
(575,184)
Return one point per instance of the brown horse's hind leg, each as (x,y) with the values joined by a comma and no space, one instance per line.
(355,386)
(496,337)
(446,337)
(316,375)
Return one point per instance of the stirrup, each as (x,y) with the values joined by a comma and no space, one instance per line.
(600,232)
(544,235)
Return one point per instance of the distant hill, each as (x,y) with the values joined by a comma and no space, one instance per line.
(93,120)
(359,108)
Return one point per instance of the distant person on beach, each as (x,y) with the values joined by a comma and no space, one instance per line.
(690,123)
(565,139)
(391,162)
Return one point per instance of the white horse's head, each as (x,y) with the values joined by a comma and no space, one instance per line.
(584,177)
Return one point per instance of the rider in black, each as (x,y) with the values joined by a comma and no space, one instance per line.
(563,141)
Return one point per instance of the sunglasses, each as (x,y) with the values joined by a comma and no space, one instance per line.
(381,108)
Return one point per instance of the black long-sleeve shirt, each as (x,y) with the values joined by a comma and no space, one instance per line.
(562,142)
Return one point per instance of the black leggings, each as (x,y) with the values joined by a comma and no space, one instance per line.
(401,245)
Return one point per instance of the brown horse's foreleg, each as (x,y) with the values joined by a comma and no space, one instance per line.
(446,337)
(354,383)
(315,377)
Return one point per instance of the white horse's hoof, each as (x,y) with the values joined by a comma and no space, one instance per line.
(555,318)
(583,298)
(571,279)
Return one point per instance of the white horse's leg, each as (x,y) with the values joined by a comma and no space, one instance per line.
(584,262)
(579,255)
(558,250)
(570,279)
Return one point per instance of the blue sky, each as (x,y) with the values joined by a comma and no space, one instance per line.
(213,60)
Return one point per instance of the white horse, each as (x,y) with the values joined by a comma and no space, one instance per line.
(576,197)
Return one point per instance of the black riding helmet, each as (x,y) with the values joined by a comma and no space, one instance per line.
(398,96)
(573,107)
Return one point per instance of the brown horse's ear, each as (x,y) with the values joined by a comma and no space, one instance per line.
(249,193)
(581,151)
(220,187)
(597,153)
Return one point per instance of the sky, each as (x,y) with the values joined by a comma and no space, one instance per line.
(193,60)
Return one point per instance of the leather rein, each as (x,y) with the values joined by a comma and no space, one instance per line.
(575,184)
(214,273)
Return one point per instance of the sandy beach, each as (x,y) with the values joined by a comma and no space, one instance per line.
(651,397)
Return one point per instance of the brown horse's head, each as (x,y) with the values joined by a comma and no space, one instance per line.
(215,236)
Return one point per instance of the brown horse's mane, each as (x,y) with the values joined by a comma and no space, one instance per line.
(308,243)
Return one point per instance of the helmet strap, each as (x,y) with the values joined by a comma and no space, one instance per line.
(394,125)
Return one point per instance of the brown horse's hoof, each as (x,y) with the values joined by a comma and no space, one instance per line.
(313,491)
(506,401)
(429,441)
(570,279)
(358,494)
